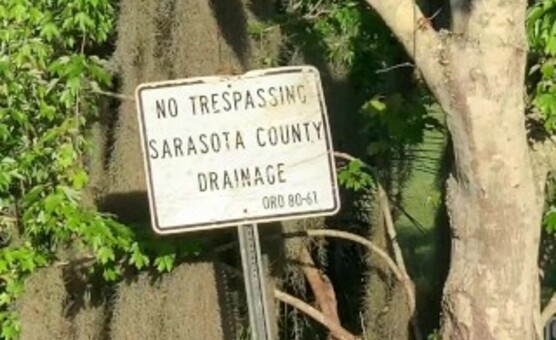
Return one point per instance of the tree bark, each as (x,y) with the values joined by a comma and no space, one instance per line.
(492,290)
(494,198)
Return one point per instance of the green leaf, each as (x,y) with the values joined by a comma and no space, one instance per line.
(534,14)
(546,102)
(165,263)
(547,69)
(355,165)
(550,220)
(105,254)
(74,84)
(551,45)
(256,28)
(66,155)
(40,260)
(52,202)
(5,299)
(111,274)
(138,259)
(3,266)
(50,31)
(47,111)
(18,12)
(80,179)
(70,194)
(10,328)
(28,264)
(99,74)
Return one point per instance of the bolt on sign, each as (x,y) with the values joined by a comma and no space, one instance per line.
(228,150)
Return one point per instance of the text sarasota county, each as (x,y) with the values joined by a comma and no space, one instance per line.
(255,139)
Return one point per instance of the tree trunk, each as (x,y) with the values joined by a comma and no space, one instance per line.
(477,73)
(492,290)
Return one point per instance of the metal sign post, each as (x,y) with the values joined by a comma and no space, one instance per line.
(255,285)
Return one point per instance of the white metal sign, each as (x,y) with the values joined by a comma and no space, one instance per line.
(222,151)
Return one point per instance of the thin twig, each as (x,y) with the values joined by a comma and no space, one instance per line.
(315,11)
(337,330)
(82,261)
(391,68)
(418,225)
(435,14)
(316,15)
(390,229)
(114,95)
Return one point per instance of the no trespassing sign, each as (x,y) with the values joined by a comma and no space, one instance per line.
(227,150)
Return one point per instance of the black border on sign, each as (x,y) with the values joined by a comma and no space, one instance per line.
(238,221)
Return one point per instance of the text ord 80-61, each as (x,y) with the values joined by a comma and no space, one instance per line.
(279,201)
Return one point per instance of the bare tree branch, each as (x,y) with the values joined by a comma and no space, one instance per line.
(336,329)
(549,310)
(394,67)
(350,158)
(403,278)
(389,221)
(320,285)
(418,37)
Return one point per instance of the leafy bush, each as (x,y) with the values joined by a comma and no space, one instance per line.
(541,30)
(47,97)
